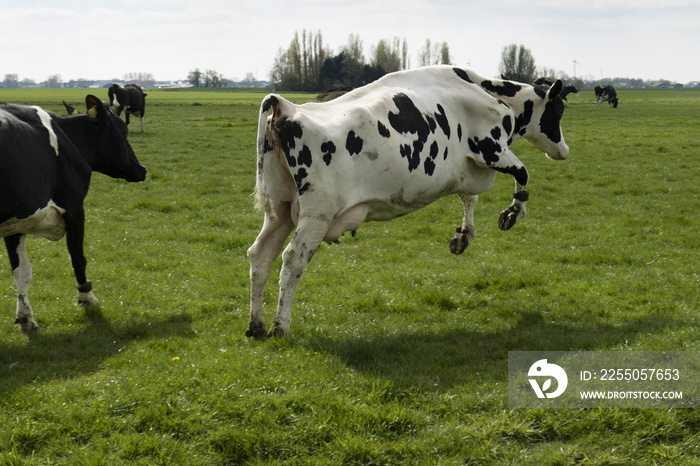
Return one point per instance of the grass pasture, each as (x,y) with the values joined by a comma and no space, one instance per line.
(398,349)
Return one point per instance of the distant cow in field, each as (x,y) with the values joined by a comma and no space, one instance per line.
(46,162)
(129,98)
(606,93)
(382,151)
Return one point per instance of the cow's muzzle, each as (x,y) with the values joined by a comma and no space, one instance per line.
(561,153)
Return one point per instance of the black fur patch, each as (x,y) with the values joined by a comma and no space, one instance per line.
(463,74)
(299,180)
(329,149)
(353,143)
(383,130)
(487,147)
(267,103)
(304,157)
(522,120)
(520,174)
(442,121)
(409,120)
(549,123)
(507,124)
(508,89)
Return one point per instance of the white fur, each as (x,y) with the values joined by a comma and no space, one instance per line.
(46,121)
(46,222)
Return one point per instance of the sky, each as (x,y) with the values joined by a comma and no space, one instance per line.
(646,39)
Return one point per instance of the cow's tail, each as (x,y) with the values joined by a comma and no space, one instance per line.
(262,197)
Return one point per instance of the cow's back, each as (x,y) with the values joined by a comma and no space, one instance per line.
(28,162)
(396,144)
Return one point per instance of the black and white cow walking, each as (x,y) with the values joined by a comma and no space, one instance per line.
(606,94)
(129,98)
(46,162)
(382,151)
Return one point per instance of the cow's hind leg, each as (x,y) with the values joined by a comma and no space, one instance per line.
(467,231)
(262,254)
(22,273)
(295,258)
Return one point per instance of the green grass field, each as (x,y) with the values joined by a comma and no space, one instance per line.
(398,349)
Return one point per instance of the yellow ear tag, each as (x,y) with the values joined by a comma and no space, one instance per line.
(92,112)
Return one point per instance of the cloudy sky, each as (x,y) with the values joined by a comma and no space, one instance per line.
(648,39)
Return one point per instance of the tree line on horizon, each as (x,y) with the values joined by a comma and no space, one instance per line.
(309,65)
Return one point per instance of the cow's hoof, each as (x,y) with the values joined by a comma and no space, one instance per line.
(27,324)
(256,330)
(508,218)
(460,241)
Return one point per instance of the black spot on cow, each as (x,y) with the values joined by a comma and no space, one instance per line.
(463,74)
(353,143)
(434,149)
(522,120)
(413,160)
(304,156)
(409,120)
(267,146)
(487,147)
(329,149)
(507,124)
(549,123)
(299,180)
(442,121)
(459,131)
(431,123)
(520,174)
(444,156)
(429,167)
(508,89)
(287,131)
(383,130)
(496,133)
(269,102)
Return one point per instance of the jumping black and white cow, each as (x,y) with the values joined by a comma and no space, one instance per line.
(129,98)
(46,162)
(382,151)
(606,94)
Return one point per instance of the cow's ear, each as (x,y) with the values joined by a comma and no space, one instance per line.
(70,109)
(94,105)
(555,90)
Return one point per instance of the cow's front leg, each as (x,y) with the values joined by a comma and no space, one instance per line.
(515,211)
(75,227)
(262,254)
(22,273)
(295,258)
(510,164)
(467,231)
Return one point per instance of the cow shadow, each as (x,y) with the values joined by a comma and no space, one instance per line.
(441,361)
(66,355)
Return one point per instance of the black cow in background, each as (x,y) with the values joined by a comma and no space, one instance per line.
(606,94)
(129,98)
(46,162)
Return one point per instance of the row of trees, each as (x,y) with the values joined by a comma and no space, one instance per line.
(309,65)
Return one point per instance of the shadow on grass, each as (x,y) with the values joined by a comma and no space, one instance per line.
(47,356)
(459,356)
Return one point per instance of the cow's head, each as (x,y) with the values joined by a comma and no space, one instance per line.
(544,130)
(114,156)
